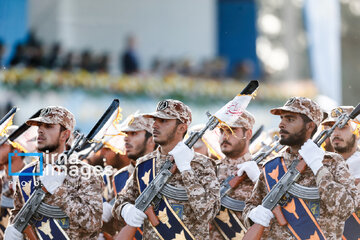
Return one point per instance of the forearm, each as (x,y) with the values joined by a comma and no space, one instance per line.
(128,195)
(83,207)
(332,192)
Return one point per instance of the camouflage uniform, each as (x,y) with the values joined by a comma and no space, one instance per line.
(354,160)
(336,186)
(228,167)
(201,184)
(79,196)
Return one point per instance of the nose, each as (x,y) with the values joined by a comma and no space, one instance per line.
(281,124)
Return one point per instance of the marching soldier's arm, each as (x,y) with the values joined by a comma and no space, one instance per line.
(336,186)
(257,195)
(203,190)
(83,206)
(127,195)
(18,203)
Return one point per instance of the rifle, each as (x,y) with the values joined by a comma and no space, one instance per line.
(297,167)
(34,205)
(233,182)
(151,197)
(20,130)
(257,134)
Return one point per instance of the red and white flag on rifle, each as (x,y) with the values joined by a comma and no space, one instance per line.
(233,109)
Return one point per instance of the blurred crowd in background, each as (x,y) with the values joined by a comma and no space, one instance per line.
(33,53)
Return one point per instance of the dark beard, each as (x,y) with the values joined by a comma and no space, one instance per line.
(295,138)
(139,153)
(170,137)
(49,148)
(348,146)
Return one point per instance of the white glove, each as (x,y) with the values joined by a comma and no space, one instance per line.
(133,216)
(52,179)
(101,237)
(12,234)
(312,154)
(261,215)
(251,169)
(183,156)
(106,216)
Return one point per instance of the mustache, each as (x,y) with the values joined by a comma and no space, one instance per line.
(283,131)
(225,142)
(337,138)
(128,145)
(156,132)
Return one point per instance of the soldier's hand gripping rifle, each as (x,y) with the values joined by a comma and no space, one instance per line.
(34,206)
(151,196)
(282,187)
(233,182)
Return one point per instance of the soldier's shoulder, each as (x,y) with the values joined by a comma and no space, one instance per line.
(333,158)
(127,168)
(203,161)
(146,157)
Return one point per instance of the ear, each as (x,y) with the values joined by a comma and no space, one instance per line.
(310,126)
(65,135)
(248,134)
(182,128)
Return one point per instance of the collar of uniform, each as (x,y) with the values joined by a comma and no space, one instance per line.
(287,154)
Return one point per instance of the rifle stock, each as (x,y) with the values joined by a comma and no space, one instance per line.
(126,233)
(255,232)
(30,233)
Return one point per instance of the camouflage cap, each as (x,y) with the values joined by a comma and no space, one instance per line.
(172,109)
(136,122)
(301,105)
(54,115)
(335,113)
(245,120)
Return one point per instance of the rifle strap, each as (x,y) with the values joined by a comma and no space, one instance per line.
(301,221)
(171,226)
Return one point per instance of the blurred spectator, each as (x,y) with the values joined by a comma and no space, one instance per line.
(67,63)
(244,70)
(53,59)
(35,54)
(103,63)
(86,62)
(129,59)
(19,56)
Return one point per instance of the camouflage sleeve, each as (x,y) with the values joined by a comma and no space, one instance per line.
(257,195)
(337,186)
(203,190)
(18,202)
(84,205)
(127,195)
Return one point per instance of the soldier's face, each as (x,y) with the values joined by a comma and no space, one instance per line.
(292,129)
(5,149)
(232,144)
(343,140)
(135,144)
(164,130)
(48,137)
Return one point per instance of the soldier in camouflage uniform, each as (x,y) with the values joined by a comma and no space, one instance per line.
(234,144)
(195,173)
(327,171)
(77,195)
(345,139)
(138,142)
